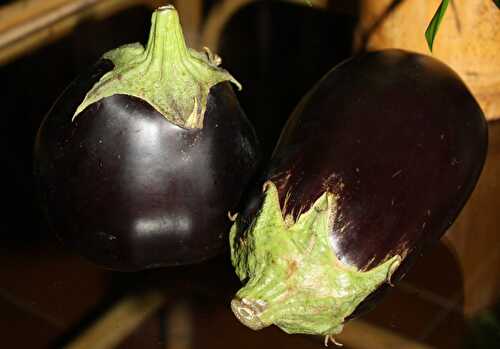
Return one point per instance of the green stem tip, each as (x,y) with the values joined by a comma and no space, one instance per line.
(172,78)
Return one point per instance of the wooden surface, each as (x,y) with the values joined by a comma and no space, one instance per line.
(475,235)
(119,322)
(468,39)
(362,335)
(127,315)
(190,12)
(27,25)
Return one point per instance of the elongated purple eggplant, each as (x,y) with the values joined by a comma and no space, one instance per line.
(141,158)
(372,167)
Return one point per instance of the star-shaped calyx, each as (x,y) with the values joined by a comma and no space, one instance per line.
(293,278)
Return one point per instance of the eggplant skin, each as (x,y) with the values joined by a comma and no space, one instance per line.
(129,190)
(399,140)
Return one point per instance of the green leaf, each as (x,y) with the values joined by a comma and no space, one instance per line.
(497,2)
(433,27)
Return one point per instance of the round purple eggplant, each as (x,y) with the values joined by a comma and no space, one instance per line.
(141,158)
(372,167)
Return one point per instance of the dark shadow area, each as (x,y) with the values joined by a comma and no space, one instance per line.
(483,331)
(208,286)
(427,305)
(278,51)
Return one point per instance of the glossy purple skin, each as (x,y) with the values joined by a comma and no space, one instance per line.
(129,190)
(401,142)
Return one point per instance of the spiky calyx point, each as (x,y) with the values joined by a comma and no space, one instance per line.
(171,77)
(293,277)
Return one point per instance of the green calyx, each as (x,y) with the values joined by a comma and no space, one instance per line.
(171,77)
(293,278)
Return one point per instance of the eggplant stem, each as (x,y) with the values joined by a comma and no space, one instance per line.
(174,79)
(247,313)
(392,269)
(232,216)
(166,7)
(266,186)
(330,338)
(212,57)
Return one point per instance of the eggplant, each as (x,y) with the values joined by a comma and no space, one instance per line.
(371,168)
(140,159)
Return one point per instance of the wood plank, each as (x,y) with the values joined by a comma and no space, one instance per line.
(191,12)
(362,335)
(22,11)
(474,235)
(119,322)
(35,25)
